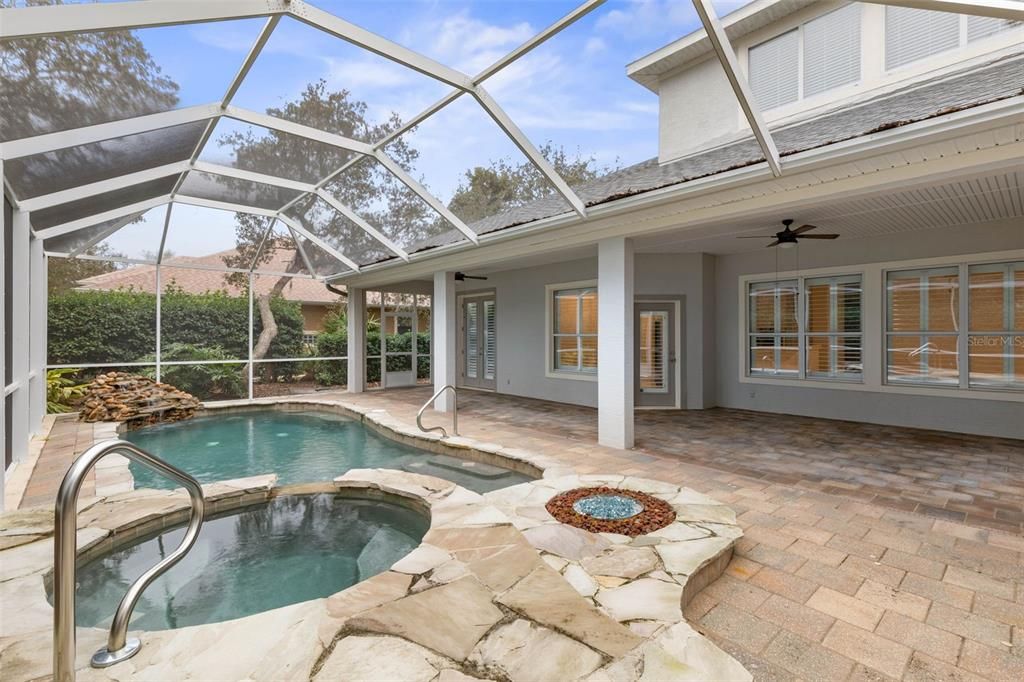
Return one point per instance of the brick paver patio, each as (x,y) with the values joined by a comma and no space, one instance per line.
(835,579)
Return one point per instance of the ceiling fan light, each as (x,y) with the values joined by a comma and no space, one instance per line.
(787,245)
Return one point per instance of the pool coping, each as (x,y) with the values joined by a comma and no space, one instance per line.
(113,475)
(484,573)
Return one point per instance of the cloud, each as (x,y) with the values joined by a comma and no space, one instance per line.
(594,46)
(350,73)
(641,18)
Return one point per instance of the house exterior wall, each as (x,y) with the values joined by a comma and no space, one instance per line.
(939,408)
(522,342)
(698,110)
(313,315)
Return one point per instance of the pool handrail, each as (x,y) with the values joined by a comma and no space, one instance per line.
(455,412)
(65,546)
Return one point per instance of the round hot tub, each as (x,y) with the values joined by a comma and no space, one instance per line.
(289,550)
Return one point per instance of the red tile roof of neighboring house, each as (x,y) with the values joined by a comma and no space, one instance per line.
(196,281)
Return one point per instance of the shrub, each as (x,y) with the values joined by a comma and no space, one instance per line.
(62,393)
(206,382)
(87,327)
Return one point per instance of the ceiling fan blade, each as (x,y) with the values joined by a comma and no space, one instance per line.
(774,243)
(758,236)
(804,228)
(819,236)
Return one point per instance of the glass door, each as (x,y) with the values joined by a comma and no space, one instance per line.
(656,360)
(478,342)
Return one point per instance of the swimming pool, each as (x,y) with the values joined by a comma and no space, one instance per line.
(299,447)
(289,550)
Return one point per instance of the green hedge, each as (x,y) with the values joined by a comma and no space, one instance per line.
(86,327)
(331,344)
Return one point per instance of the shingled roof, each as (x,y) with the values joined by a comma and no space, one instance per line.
(990,82)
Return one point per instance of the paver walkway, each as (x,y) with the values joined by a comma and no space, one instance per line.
(822,586)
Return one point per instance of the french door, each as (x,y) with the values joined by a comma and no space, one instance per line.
(478,342)
(656,355)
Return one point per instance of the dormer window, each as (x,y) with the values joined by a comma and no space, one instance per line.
(913,34)
(811,59)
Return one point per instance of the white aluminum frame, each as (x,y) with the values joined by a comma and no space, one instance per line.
(738,80)
(69,19)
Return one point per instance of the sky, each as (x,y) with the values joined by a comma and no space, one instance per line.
(572,91)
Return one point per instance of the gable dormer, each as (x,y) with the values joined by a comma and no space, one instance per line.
(807,57)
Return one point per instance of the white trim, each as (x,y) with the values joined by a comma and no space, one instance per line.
(95,188)
(298,129)
(86,17)
(873,328)
(251,176)
(997,9)
(97,218)
(677,304)
(225,206)
(329,23)
(519,138)
(358,220)
(568,229)
(549,348)
(39,144)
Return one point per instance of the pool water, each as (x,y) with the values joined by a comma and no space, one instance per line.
(300,447)
(290,550)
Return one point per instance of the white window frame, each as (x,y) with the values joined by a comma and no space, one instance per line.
(873,326)
(799,28)
(963,42)
(801,333)
(549,332)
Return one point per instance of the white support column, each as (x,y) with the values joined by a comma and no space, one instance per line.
(3,341)
(356,320)
(444,340)
(37,335)
(615,346)
(20,281)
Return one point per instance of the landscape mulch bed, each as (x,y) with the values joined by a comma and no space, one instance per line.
(656,514)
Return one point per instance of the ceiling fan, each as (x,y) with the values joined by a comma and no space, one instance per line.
(788,238)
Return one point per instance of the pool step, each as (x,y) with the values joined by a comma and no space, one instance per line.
(463,466)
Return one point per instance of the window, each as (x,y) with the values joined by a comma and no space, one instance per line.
(823,326)
(774,340)
(832,50)
(820,55)
(574,330)
(913,34)
(995,342)
(833,327)
(774,67)
(922,325)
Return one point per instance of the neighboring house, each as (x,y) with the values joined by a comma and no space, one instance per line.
(900,130)
(187,274)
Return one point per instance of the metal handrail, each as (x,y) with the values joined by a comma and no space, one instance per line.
(455,413)
(118,648)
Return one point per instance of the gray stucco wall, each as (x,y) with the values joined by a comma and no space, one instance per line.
(967,415)
(520,296)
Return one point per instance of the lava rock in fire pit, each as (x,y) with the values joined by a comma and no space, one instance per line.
(137,400)
(596,509)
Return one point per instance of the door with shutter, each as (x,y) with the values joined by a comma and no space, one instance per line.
(656,355)
(478,342)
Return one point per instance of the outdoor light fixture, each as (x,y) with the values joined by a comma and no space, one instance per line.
(462,277)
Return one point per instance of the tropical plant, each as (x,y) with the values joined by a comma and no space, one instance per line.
(220,381)
(61,390)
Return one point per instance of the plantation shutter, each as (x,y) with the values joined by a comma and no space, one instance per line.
(774,67)
(982,27)
(490,340)
(832,50)
(912,34)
